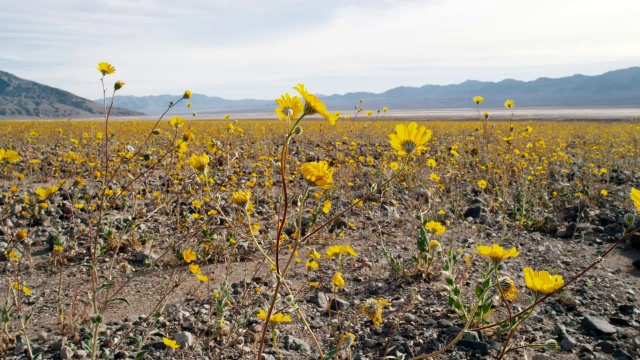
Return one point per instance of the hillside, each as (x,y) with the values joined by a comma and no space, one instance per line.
(614,88)
(23,98)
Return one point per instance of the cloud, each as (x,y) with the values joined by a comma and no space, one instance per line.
(260,49)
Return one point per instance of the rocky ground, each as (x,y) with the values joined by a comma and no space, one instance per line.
(596,318)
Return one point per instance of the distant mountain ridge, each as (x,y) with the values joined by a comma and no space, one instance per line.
(24,98)
(614,88)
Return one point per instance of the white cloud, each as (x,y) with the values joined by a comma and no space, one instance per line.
(260,49)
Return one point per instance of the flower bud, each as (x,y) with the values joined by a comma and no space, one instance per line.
(630,219)
(118,85)
(551,345)
(187,94)
(297,130)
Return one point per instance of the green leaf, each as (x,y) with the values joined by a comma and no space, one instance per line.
(479,291)
(330,354)
(486,283)
(141,354)
(456,291)
(120,299)
(449,281)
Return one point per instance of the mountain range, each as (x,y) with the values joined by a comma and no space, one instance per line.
(20,98)
(618,88)
(614,88)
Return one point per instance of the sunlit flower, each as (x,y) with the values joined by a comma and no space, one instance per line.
(482,184)
(434,244)
(241,197)
(326,206)
(372,308)
(410,139)
(22,234)
(338,250)
(509,289)
(46,193)
(478,99)
(170,343)
(58,248)
(635,196)
(227,116)
(318,174)
(431,163)
(13,255)
(289,107)
(337,280)
(202,278)
(177,122)
(314,254)
(105,68)
(189,256)
(313,105)
(435,177)
(275,318)
(435,227)
(496,252)
(199,162)
(542,281)
(311,264)
(187,94)
(8,156)
(194,269)
(509,104)
(369,112)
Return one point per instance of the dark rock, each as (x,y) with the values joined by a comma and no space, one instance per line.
(475,211)
(598,325)
(480,346)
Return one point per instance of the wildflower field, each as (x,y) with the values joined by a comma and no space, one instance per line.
(318,235)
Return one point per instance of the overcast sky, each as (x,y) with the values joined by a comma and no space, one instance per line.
(260,49)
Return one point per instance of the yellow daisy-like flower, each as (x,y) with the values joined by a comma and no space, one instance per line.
(369,112)
(275,318)
(542,281)
(22,234)
(338,250)
(337,280)
(189,256)
(435,245)
(635,196)
(46,193)
(372,308)
(435,227)
(478,99)
(311,264)
(410,139)
(318,174)
(187,94)
(326,206)
(496,252)
(289,107)
(482,184)
(170,343)
(13,255)
(177,122)
(313,105)
(241,197)
(118,85)
(314,254)
(195,269)
(58,248)
(199,162)
(202,278)
(509,104)
(105,68)
(509,289)
(8,156)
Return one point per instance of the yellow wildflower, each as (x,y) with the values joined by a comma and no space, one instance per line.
(435,227)
(478,99)
(542,281)
(338,250)
(199,162)
(105,68)
(318,174)
(337,280)
(275,318)
(241,197)
(313,105)
(289,107)
(170,343)
(496,252)
(410,139)
(372,308)
(189,256)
